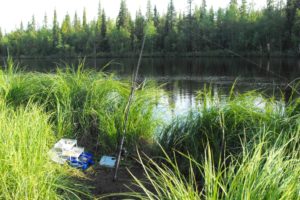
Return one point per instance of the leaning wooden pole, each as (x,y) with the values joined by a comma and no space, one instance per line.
(127,111)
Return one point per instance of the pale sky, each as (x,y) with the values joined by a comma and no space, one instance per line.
(12,12)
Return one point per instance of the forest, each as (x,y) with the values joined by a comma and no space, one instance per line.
(198,30)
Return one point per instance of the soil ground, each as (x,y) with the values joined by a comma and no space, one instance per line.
(100,180)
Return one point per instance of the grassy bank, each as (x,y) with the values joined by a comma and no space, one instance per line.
(38,109)
(85,104)
(244,146)
(263,171)
(229,122)
(26,171)
(237,146)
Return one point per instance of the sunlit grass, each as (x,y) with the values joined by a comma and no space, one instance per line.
(263,171)
(85,103)
(26,170)
(242,146)
(226,122)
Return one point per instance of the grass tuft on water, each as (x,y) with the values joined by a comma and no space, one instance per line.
(228,122)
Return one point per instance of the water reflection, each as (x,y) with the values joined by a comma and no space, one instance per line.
(186,76)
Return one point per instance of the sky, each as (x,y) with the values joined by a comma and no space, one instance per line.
(12,12)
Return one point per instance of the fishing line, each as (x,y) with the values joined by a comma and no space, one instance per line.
(127,111)
(256,64)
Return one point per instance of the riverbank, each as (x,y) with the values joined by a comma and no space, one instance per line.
(214,53)
(242,146)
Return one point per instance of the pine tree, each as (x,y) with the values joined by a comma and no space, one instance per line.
(104,46)
(296,31)
(55,31)
(232,13)
(155,17)
(149,14)
(211,16)
(270,5)
(291,8)
(103,25)
(290,18)
(189,26)
(189,9)
(203,9)
(76,23)
(66,26)
(170,18)
(31,27)
(123,19)
(169,37)
(243,10)
(21,27)
(99,17)
(84,20)
(139,25)
(45,22)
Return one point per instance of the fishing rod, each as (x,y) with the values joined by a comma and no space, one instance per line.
(126,112)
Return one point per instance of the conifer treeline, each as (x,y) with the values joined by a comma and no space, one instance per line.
(238,27)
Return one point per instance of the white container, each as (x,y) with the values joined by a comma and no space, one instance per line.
(75,152)
(65,144)
(56,156)
(65,149)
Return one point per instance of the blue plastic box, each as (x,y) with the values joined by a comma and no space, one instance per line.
(84,161)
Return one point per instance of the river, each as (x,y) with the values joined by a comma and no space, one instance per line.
(185,76)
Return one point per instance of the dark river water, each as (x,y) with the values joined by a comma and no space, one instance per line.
(185,76)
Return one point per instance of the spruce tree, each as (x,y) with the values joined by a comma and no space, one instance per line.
(203,9)
(149,14)
(189,26)
(243,10)
(31,27)
(170,18)
(139,25)
(55,31)
(99,17)
(21,27)
(291,7)
(103,25)
(104,45)
(66,26)
(76,23)
(123,19)
(45,22)
(84,20)
(155,17)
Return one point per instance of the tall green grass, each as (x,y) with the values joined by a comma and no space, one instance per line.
(85,104)
(26,170)
(262,171)
(225,122)
(242,146)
